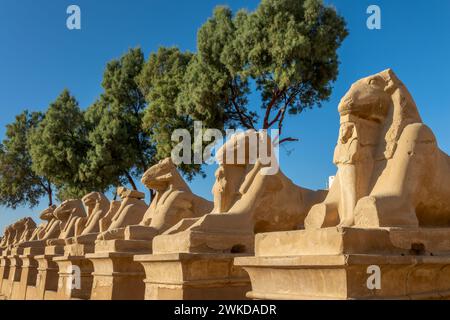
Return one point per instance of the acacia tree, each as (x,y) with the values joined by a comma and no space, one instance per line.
(286,49)
(19,185)
(120,149)
(58,146)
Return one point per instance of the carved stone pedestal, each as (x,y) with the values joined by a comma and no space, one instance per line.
(75,272)
(346,263)
(47,280)
(27,284)
(116,275)
(75,277)
(4,269)
(15,272)
(191,276)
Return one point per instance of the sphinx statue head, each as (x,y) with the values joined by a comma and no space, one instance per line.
(173,200)
(28,230)
(18,228)
(7,237)
(239,159)
(384,107)
(47,214)
(162,176)
(67,213)
(381,153)
(51,228)
(97,206)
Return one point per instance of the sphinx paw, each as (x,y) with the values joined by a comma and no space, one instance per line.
(321,216)
(367,213)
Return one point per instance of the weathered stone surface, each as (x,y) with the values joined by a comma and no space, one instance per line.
(68,212)
(42,229)
(116,275)
(390,201)
(131,211)
(47,278)
(247,200)
(333,263)
(391,172)
(115,270)
(26,287)
(187,276)
(388,212)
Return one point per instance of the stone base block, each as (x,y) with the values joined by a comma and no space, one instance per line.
(31,293)
(204,242)
(116,275)
(4,269)
(189,276)
(75,277)
(78,250)
(15,274)
(47,279)
(28,277)
(102,246)
(350,263)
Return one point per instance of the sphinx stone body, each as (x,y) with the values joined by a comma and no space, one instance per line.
(68,213)
(87,228)
(130,212)
(247,200)
(116,248)
(46,231)
(7,237)
(194,258)
(391,172)
(173,202)
(29,227)
(389,208)
(106,221)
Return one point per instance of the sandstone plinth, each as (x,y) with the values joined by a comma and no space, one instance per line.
(333,263)
(185,276)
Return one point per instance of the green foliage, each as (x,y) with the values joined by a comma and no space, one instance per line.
(161,81)
(285,51)
(120,148)
(287,48)
(213,90)
(19,185)
(59,144)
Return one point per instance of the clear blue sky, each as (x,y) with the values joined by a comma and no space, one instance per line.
(39,57)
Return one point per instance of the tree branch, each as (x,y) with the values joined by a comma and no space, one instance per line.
(245,119)
(280,112)
(130,180)
(288,140)
(242,116)
(271,104)
(286,105)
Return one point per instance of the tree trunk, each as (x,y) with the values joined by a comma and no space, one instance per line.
(50,194)
(130,180)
